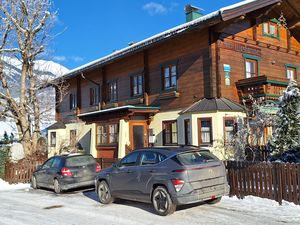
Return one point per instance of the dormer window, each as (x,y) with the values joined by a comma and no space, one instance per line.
(271,29)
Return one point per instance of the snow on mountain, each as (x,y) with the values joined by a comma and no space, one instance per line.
(45,70)
(9,127)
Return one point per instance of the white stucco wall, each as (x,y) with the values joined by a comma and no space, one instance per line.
(217,127)
(123,138)
(85,135)
(156,124)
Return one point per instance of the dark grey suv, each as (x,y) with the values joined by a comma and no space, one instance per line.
(64,172)
(165,177)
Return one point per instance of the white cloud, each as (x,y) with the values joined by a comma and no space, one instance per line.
(76,58)
(61,58)
(154,8)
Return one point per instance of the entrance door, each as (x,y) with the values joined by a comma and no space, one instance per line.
(138,134)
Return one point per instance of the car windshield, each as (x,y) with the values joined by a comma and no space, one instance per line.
(80,160)
(192,158)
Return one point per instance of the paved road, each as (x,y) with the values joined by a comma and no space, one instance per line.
(82,207)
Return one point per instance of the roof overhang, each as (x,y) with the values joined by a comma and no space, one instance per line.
(128,109)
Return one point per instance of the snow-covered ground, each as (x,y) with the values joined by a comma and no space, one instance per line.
(28,206)
(5,186)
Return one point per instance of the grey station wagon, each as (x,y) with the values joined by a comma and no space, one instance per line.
(64,172)
(165,177)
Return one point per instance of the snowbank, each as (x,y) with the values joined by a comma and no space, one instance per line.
(5,186)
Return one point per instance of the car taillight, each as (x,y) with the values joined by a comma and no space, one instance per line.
(66,172)
(98,167)
(178,184)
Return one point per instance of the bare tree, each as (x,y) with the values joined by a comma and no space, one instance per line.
(25,27)
(249,134)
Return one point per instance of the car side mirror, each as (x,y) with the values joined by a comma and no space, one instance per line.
(39,167)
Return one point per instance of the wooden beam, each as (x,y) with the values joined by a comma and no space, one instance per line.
(292,8)
(78,92)
(104,87)
(294,24)
(146,79)
(222,26)
(266,12)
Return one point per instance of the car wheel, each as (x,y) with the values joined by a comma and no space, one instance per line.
(162,201)
(104,193)
(57,187)
(214,201)
(34,184)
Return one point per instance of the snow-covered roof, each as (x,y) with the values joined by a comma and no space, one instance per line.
(213,104)
(118,108)
(207,20)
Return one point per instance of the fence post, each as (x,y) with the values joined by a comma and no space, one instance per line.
(280,168)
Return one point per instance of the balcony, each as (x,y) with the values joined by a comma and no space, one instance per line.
(261,87)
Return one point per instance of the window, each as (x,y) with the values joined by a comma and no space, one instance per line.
(251,65)
(130,160)
(112,91)
(73,101)
(169,77)
(205,131)
(48,164)
(52,139)
(149,158)
(72,137)
(251,68)
(229,129)
(57,163)
(136,85)
(170,132)
(196,158)
(187,132)
(81,160)
(107,134)
(270,28)
(291,71)
(113,133)
(94,96)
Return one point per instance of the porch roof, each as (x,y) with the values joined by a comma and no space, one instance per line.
(213,104)
(57,125)
(146,109)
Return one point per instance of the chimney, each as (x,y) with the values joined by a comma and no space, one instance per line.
(192,12)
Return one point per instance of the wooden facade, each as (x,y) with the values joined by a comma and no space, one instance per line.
(210,62)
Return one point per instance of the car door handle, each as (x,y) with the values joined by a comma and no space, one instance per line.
(129,171)
(151,171)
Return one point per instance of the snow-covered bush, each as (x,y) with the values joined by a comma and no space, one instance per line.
(287,126)
(16,152)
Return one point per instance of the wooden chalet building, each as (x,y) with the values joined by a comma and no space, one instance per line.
(184,85)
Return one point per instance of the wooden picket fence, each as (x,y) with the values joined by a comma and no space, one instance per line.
(21,172)
(276,181)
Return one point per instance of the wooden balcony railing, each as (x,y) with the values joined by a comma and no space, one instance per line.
(261,86)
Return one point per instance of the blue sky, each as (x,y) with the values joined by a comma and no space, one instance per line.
(90,29)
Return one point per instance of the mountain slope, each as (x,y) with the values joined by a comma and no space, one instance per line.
(44,70)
